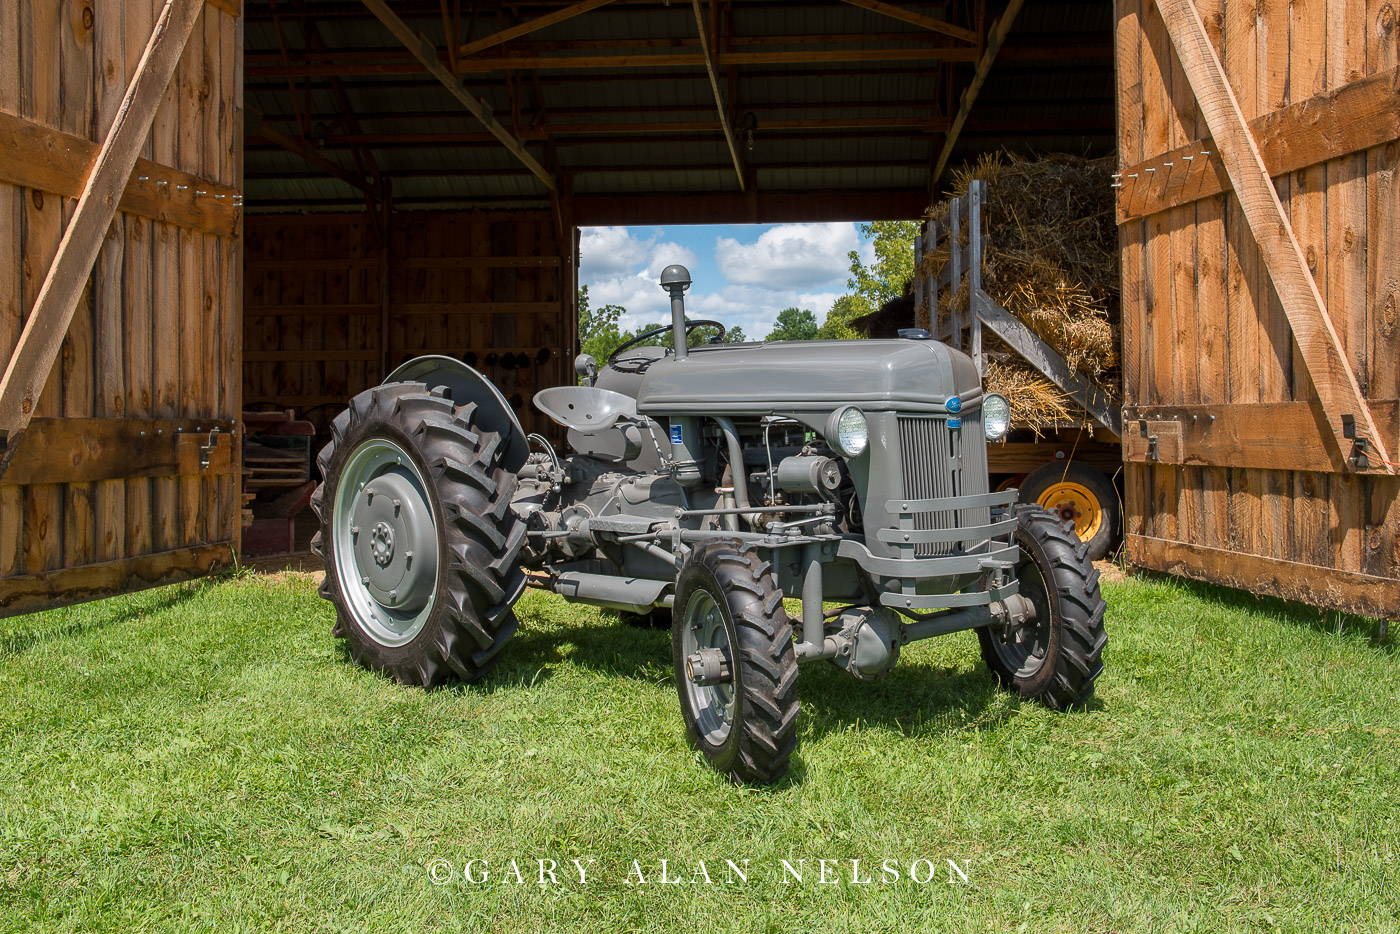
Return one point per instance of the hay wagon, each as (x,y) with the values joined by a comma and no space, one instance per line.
(1069,461)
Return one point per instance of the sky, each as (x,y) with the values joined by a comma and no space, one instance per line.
(742,274)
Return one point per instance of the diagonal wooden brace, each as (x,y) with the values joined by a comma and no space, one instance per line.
(44,331)
(427,54)
(1317,339)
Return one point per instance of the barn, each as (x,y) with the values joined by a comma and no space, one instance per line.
(217,206)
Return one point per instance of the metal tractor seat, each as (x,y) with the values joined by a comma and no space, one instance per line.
(585,408)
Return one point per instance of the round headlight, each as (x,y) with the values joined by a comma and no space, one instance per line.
(996,416)
(848,432)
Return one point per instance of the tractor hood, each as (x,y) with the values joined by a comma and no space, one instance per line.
(796,376)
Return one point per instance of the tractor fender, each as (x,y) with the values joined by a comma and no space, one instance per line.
(493,412)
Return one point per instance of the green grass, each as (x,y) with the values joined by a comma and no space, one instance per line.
(205,758)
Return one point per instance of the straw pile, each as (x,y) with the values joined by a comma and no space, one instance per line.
(1051,259)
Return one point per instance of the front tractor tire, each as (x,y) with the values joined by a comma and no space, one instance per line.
(418,537)
(1056,657)
(729,623)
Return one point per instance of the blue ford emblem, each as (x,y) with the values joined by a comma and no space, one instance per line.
(954,404)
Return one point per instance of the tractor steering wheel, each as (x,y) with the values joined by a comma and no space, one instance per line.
(690,325)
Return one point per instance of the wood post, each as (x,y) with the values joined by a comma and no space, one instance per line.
(33,360)
(1317,340)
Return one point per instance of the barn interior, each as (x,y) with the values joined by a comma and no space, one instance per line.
(415,173)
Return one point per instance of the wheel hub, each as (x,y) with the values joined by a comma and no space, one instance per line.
(399,523)
(382,544)
(1074,502)
(709,668)
(385,542)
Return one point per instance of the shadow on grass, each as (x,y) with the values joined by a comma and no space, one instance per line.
(1330,622)
(21,642)
(913,699)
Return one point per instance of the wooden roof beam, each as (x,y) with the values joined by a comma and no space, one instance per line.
(995,37)
(720,105)
(549,19)
(298,147)
(1312,327)
(427,54)
(917,19)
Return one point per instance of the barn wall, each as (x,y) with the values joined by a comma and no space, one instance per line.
(473,285)
(96,497)
(1255,493)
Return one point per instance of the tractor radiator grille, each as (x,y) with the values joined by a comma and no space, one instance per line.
(937,463)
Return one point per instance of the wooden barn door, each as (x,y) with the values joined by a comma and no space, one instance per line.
(1260,333)
(120,156)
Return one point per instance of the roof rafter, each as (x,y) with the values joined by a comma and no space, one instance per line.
(916,19)
(995,37)
(427,54)
(719,95)
(298,147)
(549,19)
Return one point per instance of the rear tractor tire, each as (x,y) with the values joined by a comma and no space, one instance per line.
(729,623)
(1056,657)
(418,537)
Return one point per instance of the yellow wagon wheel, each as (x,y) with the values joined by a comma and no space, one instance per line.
(1074,502)
(1082,495)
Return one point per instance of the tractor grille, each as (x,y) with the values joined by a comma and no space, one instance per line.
(939,462)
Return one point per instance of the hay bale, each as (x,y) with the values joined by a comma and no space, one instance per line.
(1035,402)
(1051,251)
(1050,257)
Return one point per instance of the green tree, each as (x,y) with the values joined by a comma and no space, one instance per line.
(599,332)
(794,324)
(844,310)
(884,279)
(734,335)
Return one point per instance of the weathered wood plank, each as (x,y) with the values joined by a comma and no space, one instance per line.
(1345,120)
(89,582)
(1351,592)
(1263,435)
(83,450)
(33,359)
(1312,328)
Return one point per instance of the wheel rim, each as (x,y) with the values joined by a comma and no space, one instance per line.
(385,543)
(1074,502)
(713,705)
(1029,644)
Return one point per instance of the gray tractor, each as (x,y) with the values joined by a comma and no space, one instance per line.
(711,483)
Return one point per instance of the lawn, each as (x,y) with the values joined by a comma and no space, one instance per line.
(204,758)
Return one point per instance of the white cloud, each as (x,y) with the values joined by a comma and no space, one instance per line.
(666,253)
(790,256)
(610,251)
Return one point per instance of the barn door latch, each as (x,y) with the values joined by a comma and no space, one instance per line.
(1152,452)
(1357,459)
(207,450)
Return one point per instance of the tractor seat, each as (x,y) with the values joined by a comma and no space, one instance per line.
(585,408)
